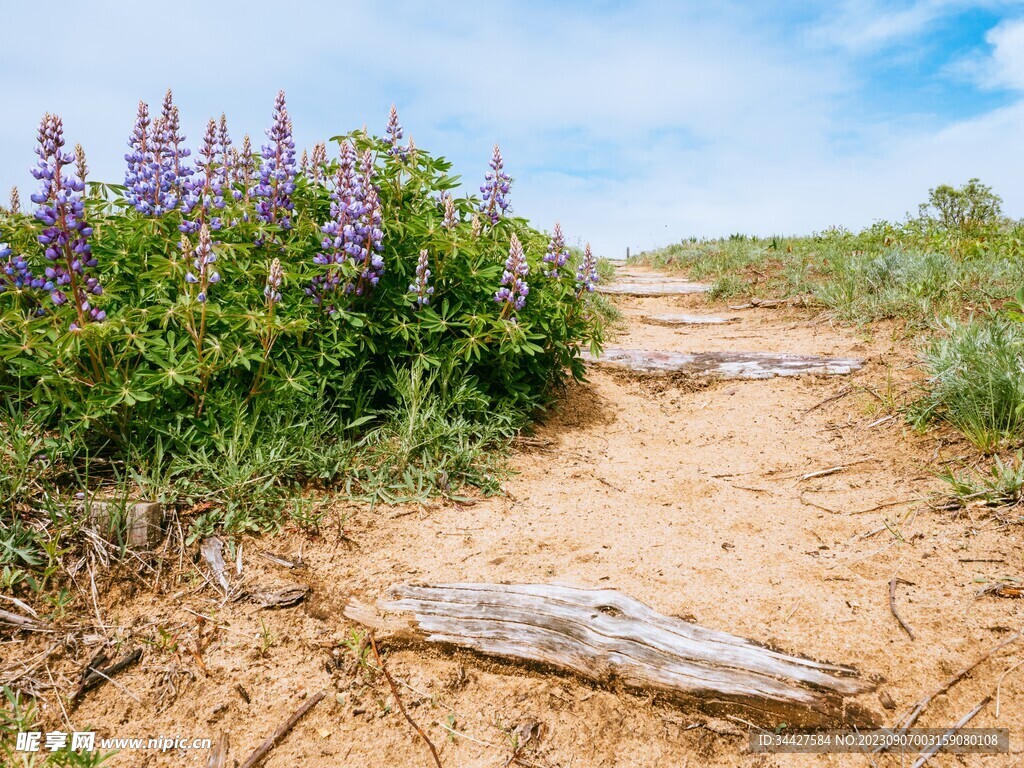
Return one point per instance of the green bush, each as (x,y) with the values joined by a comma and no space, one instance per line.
(253,348)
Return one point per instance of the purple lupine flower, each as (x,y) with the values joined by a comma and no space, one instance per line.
(272,290)
(421,287)
(81,167)
(340,231)
(224,150)
(244,168)
(514,289)
(277,174)
(65,234)
(15,201)
(202,276)
(205,190)
(451,218)
(495,188)
(176,167)
(586,274)
(557,254)
(394,131)
(137,181)
(317,161)
(304,163)
(15,272)
(161,170)
(367,243)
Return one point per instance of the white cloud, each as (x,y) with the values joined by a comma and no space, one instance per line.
(634,124)
(1004,68)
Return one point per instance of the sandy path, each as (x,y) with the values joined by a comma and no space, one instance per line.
(689,499)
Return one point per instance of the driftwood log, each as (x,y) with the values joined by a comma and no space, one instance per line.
(660,288)
(609,638)
(725,365)
(671,320)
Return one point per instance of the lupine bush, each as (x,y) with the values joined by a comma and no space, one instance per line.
(227,283)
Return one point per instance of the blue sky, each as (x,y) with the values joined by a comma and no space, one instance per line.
(632,123)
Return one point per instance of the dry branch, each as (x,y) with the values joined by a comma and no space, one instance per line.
(93,676)
(609,638)
(892,606)
(934,749)
(283,730)
(401,706)
(922,704)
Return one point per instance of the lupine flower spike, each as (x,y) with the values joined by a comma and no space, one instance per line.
(421,288)
(394,131)
(557,254)
(277,174)
(317,161)
(370,235)
(224,149)
(81,167)
(450,216)
(304,163)
(272,290)
(495,188)
(586,274)
(15,200)
(202,275)
(205,192)
(177,169)
(65,234)
(138,186)
(340,235)
(244,170)
(514,289)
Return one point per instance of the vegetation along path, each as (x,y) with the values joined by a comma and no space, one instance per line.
(779,509)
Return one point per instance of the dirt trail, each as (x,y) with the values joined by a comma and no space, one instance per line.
(688,497)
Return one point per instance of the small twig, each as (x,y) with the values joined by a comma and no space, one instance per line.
(398,700)
(96,677)
(999,685)
(22,622)
(880,421)
(838,396)
(892,606)
(283,730)
(932,750)
(817,506)
(924,702)
(885,504)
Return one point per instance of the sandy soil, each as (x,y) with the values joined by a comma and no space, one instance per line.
(686,496)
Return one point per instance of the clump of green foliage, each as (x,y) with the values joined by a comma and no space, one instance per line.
(1001,486)
(236,353)
(976,381)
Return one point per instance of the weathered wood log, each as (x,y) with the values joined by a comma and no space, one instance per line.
(726,365)
(661,288)
(140,522)
(649,278)
(685,320)
(609,638)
